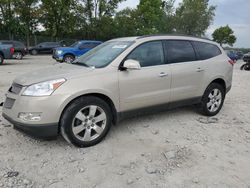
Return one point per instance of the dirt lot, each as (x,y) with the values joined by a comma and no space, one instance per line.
(177,148)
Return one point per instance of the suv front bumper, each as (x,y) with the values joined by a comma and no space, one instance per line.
(45,131)
(47,107)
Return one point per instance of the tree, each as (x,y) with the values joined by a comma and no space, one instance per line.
(58,16)
(27,13)
(224,35)
(10,23)
(193,17)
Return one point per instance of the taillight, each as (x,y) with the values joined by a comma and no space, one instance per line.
(12,50)
(232,62)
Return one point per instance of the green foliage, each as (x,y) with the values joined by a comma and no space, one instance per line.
(99,19)
(224,35)
(193,17)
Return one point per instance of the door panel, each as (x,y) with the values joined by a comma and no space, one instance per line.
(145,87)
(187,79)
(187,72)
(148,86)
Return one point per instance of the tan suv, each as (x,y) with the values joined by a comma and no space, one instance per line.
(118,78)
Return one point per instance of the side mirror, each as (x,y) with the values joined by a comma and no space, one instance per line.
(131,64)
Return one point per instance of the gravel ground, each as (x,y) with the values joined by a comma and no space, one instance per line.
(177,148)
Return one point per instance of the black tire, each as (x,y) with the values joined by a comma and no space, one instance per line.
(34,52)
(68,121)
(18,55)
(68,58)
(1,59)
(205,110)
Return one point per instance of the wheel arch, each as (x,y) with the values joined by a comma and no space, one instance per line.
(1,53)
(220,81)
(69,53)
(99,95)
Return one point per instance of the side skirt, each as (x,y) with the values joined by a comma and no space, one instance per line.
(157,108)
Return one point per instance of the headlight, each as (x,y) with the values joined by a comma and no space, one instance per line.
(59,52)
(43,88)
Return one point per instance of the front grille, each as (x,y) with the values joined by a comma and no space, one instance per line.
(9,103)
(15,88)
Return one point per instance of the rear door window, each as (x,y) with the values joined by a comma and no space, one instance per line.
(179,51)
(205,50)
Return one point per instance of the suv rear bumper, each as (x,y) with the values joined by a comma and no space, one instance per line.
(45,131)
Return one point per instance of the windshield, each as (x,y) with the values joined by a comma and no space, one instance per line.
(74,44)
(104,54)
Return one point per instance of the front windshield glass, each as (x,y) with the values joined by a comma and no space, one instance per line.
(74,44)
(103,55)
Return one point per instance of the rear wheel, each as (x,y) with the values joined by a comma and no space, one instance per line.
(68,58)
(213,99)
(86,121)
(1,59)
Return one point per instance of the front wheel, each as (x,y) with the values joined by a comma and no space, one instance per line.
(68,58)
(86,121)
(213,99)
(18,55)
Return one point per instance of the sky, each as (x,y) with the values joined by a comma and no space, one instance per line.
(235,13)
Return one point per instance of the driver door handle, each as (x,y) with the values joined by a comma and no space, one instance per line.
(199,70)
(163,74)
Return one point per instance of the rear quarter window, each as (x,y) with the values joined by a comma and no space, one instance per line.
(205,50)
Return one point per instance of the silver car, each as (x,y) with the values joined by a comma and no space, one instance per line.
(121,77)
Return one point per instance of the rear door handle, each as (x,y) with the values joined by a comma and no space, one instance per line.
(163,74)
(199,70)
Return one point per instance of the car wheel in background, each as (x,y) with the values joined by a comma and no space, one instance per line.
(86,121)
(213,99)
(34,52)
(1,59)
(18,55)
(68,58)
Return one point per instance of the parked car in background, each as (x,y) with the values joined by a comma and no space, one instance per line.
(69,54)
(246,57)
(44,48)
(232,55)
(20,50)
(121,77)
(240,54)
(6,52)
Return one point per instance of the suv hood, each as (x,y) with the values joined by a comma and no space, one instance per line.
(58,71)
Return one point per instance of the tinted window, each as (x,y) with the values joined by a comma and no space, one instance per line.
(19,45)
(180,51)
(206,50)
(148,54)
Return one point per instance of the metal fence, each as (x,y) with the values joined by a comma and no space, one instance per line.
(36,39)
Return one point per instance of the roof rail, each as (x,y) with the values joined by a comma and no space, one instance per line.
(177,35)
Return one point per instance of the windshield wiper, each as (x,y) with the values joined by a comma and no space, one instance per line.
(80,63)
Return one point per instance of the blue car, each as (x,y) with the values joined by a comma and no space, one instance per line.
(69,54)
(232,55)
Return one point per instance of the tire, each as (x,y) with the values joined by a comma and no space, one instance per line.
(213,99)
(68,58)
(86,121)
(1,59)
(18,55)
(34,52)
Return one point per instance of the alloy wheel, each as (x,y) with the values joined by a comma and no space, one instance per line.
(89,123)
(214,100)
